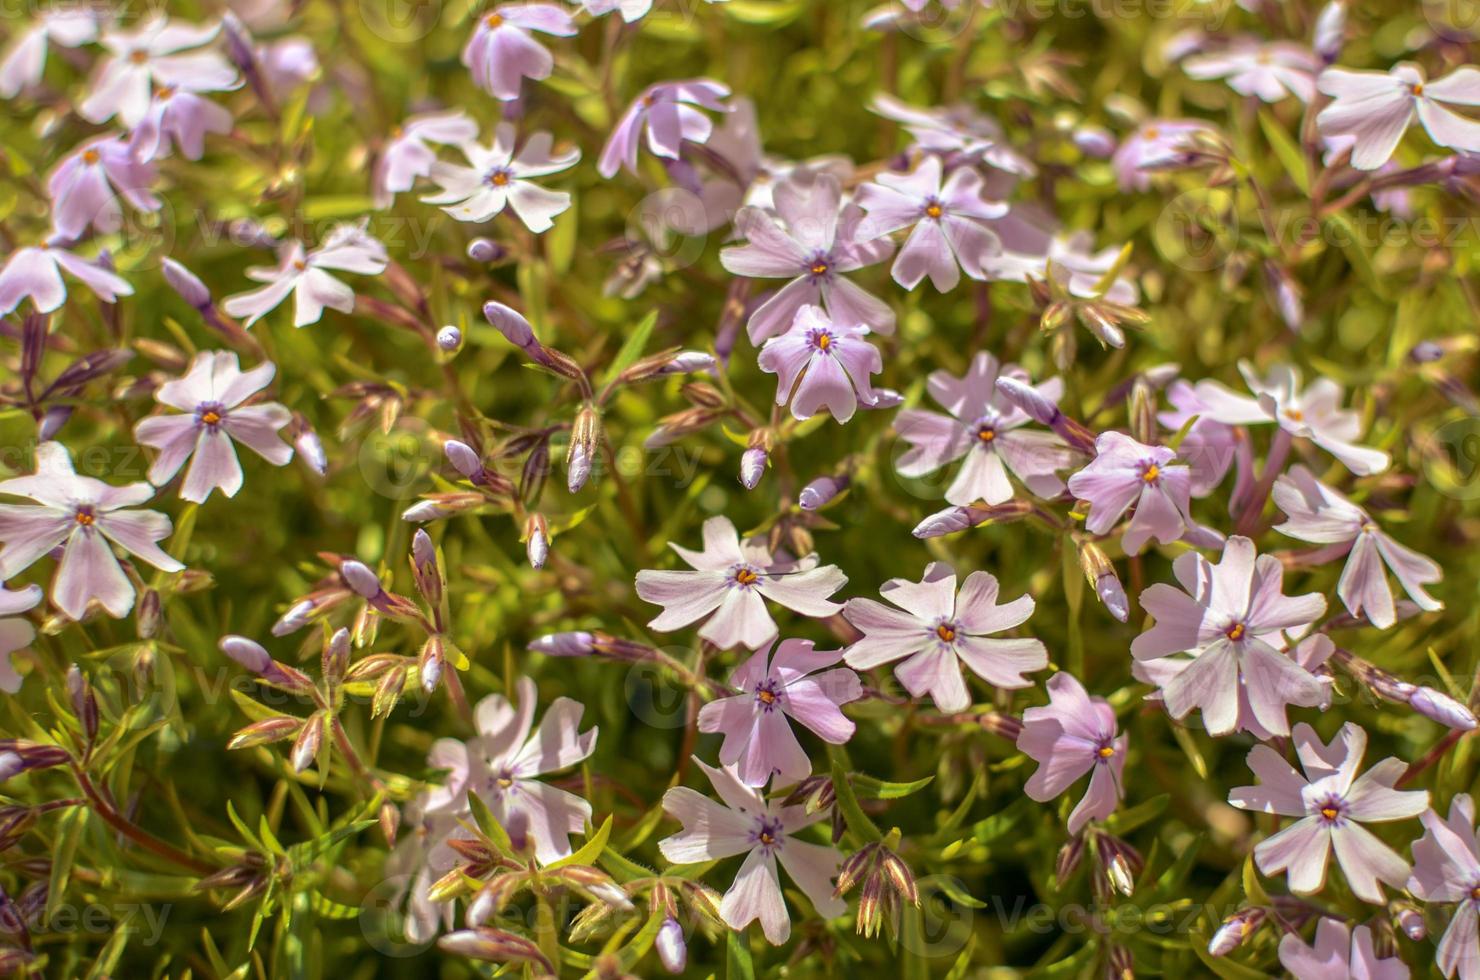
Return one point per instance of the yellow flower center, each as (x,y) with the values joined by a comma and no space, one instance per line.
(90,156)
(766,696)
(499,179)
(1294,415)
(986,433)
(1416,88)
(934,211)
(86,518)
(1152,472)
(1236,632)
(1106,751)
(300,265)
(818,268)
(211,418)
(493,20)
(745,576)
(824,341)
(138,56)
(504,782)
(766,838)
(1329,812)
(946,633)
(1151,133)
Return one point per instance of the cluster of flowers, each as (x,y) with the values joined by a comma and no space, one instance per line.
(1225,641)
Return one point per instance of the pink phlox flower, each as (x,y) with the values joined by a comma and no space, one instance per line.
(935,630)
(810,240)
(666,112)
(1321,515)
(498,177)
(988,430)
(759,741)
(1270,70)
(503,762)
(820,364)
(1376,108)
(945,218)
(159,52)
(24,65)
(1314,413)
(348,248)
(1071,260)
(211,397)
(1073,735)
(35,273)
(1310,655)
(743,821)
(502,51)
(1339,953)
(729,584)
(84,188)
(85,517)
(1209,446)
(408,156)
(958,131)
(1233,617)
(1126,473)
(1331,803)
(16,633)
(178,115)
(1156,145)
(1446,868)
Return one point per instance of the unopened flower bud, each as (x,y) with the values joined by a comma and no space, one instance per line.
(150,616)
(820,492)
(584,436)
(1068,859)
(1094,141)
(1442,708)
(577,643)
(752,467)
(358,576)
(249,653)
(52,420)
(84,702)
(485,250)
(1411,921)
(187,284)
(1235,929)
(947,521)
(1425,352)
(311,449)
(1101,575)
(511,323)
(885,398)
(306,747)
(672,950)
(335,660)
(688,362)
(1330,32)
(431,664)
(463,458)
(537,540)
(449,338)
(294,619)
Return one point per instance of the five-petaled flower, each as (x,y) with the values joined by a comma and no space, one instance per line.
(745,822)
(85,517)
(502,52)
(159,52)
(822,364)
(666,111)
(935,631)
(731,580)
(1073,735)
(85,187)
(1331,804)
(1446,868)
(212,396)
(987,429)
(406,156)
(497,177)
(1125,472)
(35,273)
(1339,953)
(1375,109)
(1233,618)
(759,742)
(348,248)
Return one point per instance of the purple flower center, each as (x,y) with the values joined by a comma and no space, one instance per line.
(1331,809)
(821,340)
(768,832)
(945,631)
(84,516)
(766,694)
(499,177)
(819,265)
(1236,632)
(210,414)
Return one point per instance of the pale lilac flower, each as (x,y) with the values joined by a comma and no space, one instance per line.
(499,178)
(1125,472)
(986,428)
(1315,413)
(348,248)
(1072,262)
(666,111)
(1157,144)
(1339,953)
(1209,446)
(759,742)
(1446,868)
(67,25)
(1232,617)
(1331,803)
(812,244)
(947,235)
(938,631)
(84,188)
(211,396)
(1270,70)
(631,10)
(16,633)
(731,579)
(1310,654)
(1376,108)
(150,55)
(407,156)
(178,115)
(85,515)
(1329,35)
(1321,515)
(502,763)
(958,131)
(820,364)
(1073,735)
(501,53)
(745,822)
(35,273)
